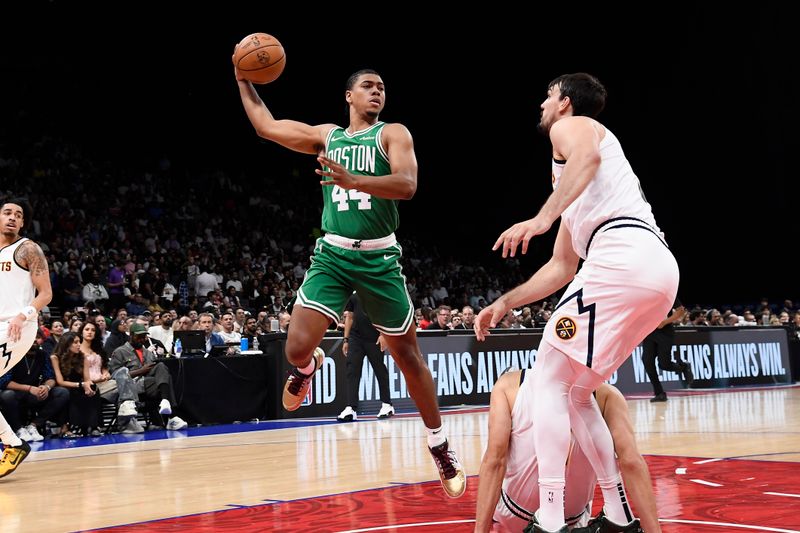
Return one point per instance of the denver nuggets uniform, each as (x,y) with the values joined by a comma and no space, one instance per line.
(519,498)
(16,293)
(629,277)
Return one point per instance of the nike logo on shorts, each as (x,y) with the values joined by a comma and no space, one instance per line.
(386,257)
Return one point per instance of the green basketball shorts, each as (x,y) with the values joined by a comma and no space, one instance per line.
(371,268)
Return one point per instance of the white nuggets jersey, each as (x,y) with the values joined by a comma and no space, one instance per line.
(614,192)
(16,286)
(629,277)
(519,498)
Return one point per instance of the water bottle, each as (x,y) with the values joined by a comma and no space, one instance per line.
(178,348)
(255,344)
(243,345)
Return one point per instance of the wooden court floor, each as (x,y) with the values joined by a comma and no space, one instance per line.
(127,480)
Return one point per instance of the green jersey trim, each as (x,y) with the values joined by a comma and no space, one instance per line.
(361,132)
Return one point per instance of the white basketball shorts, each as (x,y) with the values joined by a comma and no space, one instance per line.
(12,353)
(624,289)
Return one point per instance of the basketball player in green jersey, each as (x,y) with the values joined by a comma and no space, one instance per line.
(366,168)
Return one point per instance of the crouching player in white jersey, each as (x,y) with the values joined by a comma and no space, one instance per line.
(24,290)
(508,490)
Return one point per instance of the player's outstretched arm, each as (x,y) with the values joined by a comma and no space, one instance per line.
(292,134)
(553,275)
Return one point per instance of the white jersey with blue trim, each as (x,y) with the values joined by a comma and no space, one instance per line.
(519,498)
(16,286)
(614,192)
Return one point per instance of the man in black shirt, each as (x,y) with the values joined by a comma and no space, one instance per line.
(360,340)
(659,345)
(32,384)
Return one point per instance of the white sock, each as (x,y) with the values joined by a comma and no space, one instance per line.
(7,435)
(551,503)
(435,437)
(615,502)
(309,368)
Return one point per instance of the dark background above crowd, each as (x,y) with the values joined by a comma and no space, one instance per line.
(103,122)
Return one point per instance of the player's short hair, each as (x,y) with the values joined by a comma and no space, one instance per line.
(27,210)
(587,94)
(354,77)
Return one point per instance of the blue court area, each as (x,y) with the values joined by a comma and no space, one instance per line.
(55,443)
(154,435)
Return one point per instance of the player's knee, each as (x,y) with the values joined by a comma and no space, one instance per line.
(7,397)
(298,353)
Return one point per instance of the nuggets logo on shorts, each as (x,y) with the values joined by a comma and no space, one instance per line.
(566,328)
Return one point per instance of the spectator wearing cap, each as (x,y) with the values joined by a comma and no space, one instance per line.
(133,362)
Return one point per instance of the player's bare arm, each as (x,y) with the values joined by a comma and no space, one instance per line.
(493,465)
(553,275)
(576,139)
(401,184)
(292,134)
(30,256)
(633,467)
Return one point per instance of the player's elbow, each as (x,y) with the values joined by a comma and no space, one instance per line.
(46,295)
(409,189)
(264,132)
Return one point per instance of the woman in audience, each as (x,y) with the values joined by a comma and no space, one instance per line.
(72,374)
(56,331)
(96,361)
(118,335)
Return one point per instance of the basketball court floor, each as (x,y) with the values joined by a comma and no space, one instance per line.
(721,461)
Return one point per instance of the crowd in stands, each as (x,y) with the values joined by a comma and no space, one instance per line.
(172,249)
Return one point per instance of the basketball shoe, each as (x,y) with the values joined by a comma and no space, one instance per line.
(12,457)
(451,473)
(347,415)
(601,524)
(534,527)
(297,385)
(386,411)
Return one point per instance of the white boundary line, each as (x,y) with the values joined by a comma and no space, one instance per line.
(667,520)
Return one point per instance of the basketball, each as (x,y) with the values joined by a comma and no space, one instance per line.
(260,58)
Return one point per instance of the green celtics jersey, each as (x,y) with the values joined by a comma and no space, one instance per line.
(351,213)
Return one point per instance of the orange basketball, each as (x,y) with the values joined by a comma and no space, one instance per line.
(260,58)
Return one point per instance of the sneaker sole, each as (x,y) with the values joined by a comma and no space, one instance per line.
(461,477)
(295,401)
(16,465)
